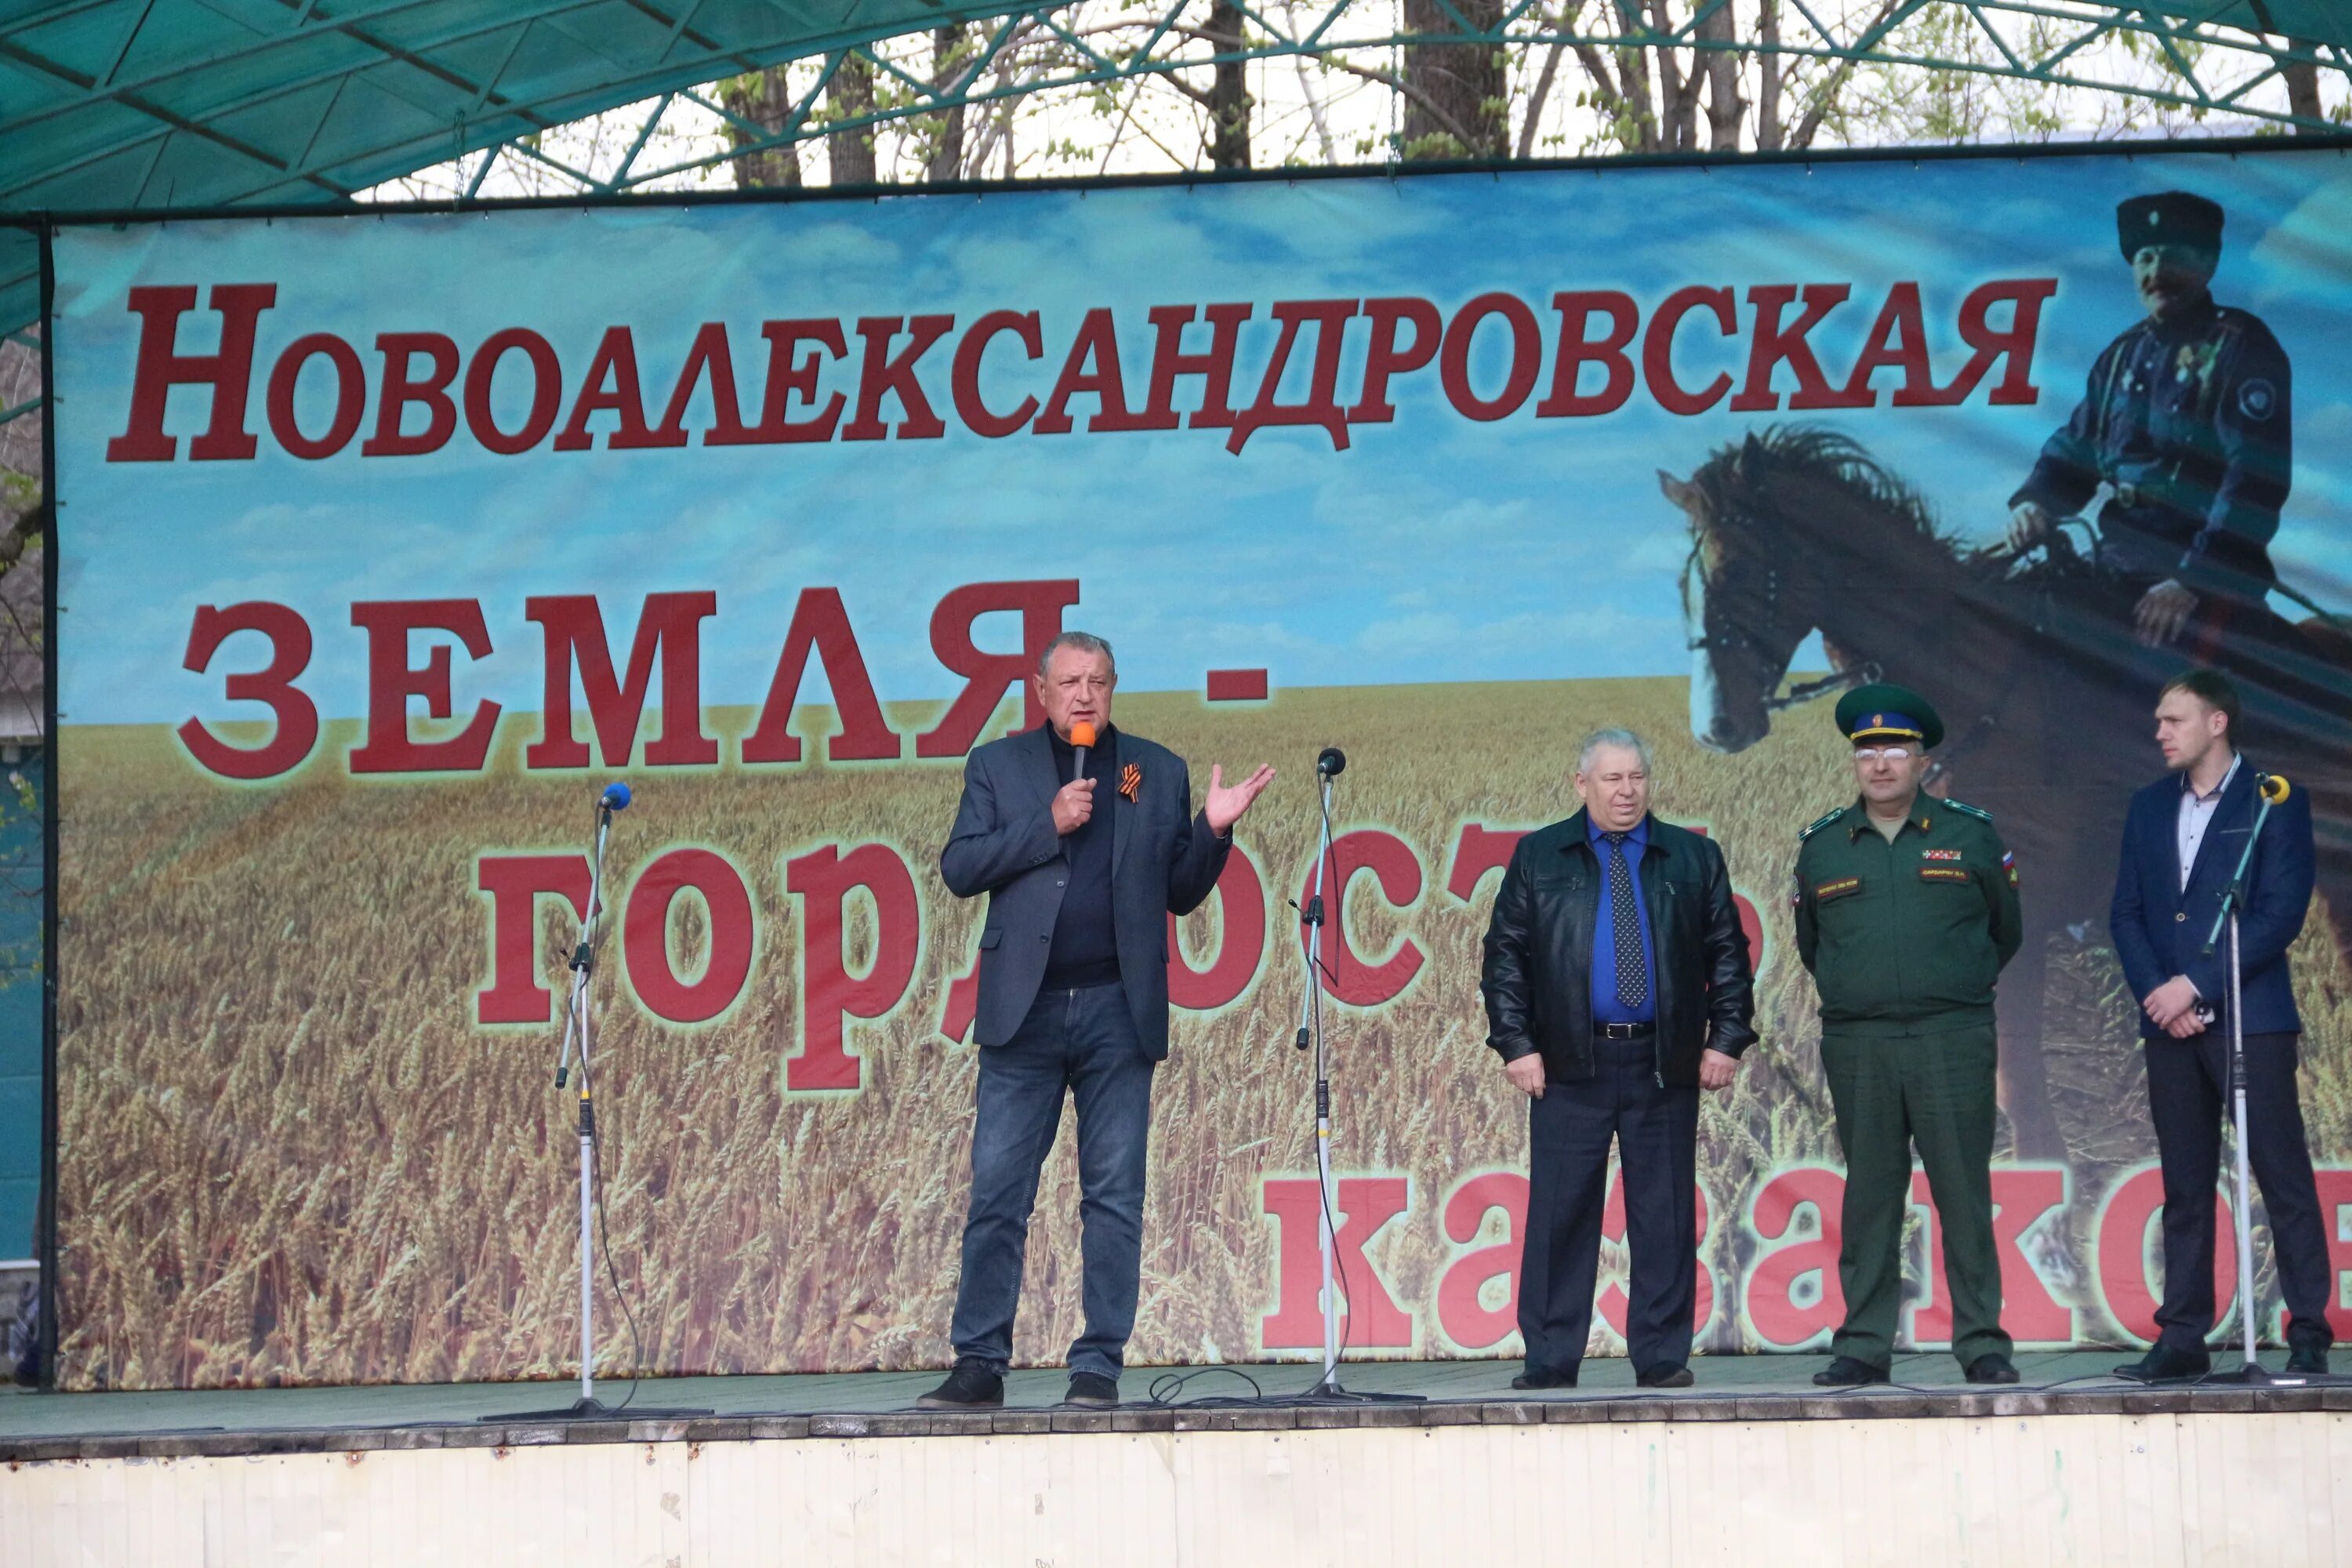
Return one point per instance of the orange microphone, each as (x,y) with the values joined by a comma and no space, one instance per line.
(1082,738)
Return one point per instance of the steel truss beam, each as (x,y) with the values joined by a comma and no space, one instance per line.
(1174,48)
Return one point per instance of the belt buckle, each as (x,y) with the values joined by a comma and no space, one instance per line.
(1617,1031)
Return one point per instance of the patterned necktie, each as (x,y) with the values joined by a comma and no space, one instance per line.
(1625,916)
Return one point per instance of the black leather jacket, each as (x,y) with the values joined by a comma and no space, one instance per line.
(1538,971)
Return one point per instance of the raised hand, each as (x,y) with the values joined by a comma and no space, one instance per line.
(1226,802)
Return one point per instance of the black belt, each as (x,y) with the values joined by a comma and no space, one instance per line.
(1623,1031)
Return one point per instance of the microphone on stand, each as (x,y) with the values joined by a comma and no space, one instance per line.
(1331,762)
(1082,740)
(614,798)
(2272,787)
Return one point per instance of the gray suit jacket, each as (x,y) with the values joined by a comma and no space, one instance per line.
(1163,860)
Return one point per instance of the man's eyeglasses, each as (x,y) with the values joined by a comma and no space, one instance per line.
(1873,754)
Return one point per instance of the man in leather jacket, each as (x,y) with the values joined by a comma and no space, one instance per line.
(1618,984)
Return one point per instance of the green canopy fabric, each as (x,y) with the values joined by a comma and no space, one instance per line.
(179,104)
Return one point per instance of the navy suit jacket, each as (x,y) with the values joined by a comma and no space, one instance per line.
(2159,926)
(1163,860)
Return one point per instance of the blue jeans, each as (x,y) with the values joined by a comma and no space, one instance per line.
(1084,1042)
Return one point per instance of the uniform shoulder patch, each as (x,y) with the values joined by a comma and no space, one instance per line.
(1819,823)
(1965,809)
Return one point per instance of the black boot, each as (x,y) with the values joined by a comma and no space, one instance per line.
(971,1386)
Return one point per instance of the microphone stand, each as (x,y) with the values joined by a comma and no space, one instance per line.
(588,1407)
(2225,919)
(1327,1389)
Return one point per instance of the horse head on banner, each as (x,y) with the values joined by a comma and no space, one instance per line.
(1763,516)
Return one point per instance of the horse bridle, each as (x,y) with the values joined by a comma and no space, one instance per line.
(1735,639)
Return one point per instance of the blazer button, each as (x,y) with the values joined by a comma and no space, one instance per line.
(1061,882)
(2182,916)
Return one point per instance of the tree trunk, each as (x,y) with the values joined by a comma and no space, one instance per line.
(1229,99)
(2302,94)
(1457,102)
(849,154)
(1767,78)
(765,98)
(1721,67)
(950,62)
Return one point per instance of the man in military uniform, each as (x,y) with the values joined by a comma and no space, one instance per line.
(2187,419)
(1907,911)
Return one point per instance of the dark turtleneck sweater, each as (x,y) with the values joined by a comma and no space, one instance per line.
(1085,949)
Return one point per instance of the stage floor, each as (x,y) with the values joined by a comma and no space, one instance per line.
(36,1427)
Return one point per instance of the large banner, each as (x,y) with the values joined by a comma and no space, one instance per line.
(387,540)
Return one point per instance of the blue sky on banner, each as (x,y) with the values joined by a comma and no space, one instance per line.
(1434,548)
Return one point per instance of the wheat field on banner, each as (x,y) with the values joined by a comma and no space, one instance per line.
(291,1156)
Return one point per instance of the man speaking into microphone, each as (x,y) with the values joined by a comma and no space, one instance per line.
(1085,841)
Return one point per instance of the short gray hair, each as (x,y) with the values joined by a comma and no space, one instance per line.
(1624,739)
(1084,642)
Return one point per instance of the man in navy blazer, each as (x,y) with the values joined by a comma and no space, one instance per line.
(2182,840)
(1084,853)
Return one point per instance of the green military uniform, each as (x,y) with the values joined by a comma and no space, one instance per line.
(1904,938)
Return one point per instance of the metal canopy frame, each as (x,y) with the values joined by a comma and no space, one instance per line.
(172,105)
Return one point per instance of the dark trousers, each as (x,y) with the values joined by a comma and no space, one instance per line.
(2189,1099)
(1569,1133)
(1084,1043)
(1890,1093)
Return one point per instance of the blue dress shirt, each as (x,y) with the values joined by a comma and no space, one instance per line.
(1606,1007)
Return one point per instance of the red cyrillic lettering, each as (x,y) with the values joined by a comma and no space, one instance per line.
(963,383)
(296,716)
(1322,404)
(883,373)
(2021,1196)
(2025,296)
(711,355)
(1897,341)
(1241,905)
(1577,309)
(392,680)
(1774,346)
(400,390)
(986,675)
(1780,1320)
(1658,349)
(1397,874)
(821,626)
(160,367)
(1480,850)
(1384,361)
(351,396)
(546,390)
(1526,357)
(1097,344)
(789,378)
(616,360)
(1365,1205)
(2335,1197)
(515,884)
(823,879)
(963,1003)
(727,936)
(573,627)
(1462,1315)
(1215,368)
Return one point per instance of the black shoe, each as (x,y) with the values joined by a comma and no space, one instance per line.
(1992,1367)
(1092,1390)
(971,1386)
(1544,1377)
(2307,1361)
(1847,1373)
(2164,1364)
(1665,1374)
